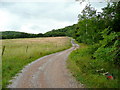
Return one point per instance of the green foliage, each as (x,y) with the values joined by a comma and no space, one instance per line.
(87,13)
(89,31)
(101,32)
(14,34)
(55,33)
(109,47)
(83,67)
(100,29)
(67,31)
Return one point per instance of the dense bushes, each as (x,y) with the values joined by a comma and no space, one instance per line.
(100,31)
(84,67)
(109,47)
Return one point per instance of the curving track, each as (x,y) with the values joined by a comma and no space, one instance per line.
(47,72)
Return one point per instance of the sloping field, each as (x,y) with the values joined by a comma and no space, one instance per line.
(19,52)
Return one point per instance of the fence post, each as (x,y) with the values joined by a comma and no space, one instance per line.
(3,50)
(26,49)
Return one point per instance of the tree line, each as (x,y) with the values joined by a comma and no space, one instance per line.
(67,31)
(96,63)
(101,31)
(15,34)
(52,33)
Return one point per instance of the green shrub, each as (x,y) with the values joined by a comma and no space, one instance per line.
(83,67)
(109,50)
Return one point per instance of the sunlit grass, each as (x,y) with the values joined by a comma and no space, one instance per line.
(20,52)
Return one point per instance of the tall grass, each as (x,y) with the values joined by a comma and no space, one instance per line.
(20,52)
(83,68)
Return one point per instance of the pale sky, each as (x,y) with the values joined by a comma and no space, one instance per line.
(40,16)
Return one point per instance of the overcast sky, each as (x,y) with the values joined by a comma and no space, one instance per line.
(40,16)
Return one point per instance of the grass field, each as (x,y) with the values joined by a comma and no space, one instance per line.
(19,52)
(83,68)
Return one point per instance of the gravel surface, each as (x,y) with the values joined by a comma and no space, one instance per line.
(47,72)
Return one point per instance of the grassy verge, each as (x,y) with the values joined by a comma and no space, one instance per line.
(83,67)
(19,52)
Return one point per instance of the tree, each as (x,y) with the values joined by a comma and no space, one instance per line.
(87,13)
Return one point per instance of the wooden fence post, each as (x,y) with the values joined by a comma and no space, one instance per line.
(3,50)
(26,49)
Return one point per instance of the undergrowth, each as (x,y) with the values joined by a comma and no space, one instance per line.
(83,66)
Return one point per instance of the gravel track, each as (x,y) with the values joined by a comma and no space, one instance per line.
(47,72)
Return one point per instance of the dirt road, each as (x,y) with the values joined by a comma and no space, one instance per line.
(47,72)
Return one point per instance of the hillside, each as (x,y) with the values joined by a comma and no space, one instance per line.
(15,34)
(67,31)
